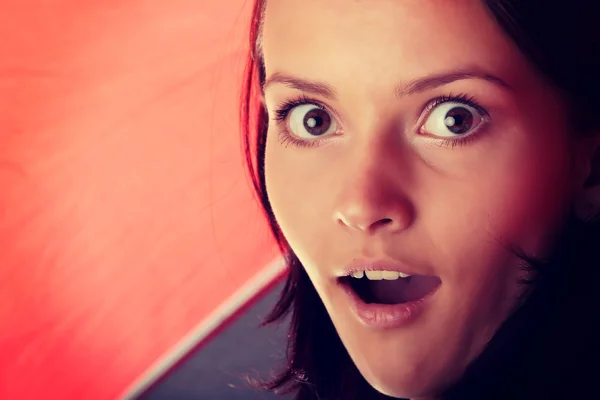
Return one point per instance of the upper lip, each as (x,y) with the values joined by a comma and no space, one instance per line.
(358,265)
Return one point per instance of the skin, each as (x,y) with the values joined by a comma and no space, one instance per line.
(382,187)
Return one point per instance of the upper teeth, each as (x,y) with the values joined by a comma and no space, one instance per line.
(379,275)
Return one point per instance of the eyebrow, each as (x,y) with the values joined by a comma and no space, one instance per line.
(412,87)
(304,85)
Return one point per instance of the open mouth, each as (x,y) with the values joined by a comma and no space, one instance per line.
(390,287)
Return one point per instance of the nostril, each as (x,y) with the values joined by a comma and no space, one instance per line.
(370,220)
(381,223)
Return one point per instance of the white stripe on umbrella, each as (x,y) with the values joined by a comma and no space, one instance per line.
(220,316)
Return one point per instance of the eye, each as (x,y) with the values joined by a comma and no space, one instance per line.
(452,119)
(309,121)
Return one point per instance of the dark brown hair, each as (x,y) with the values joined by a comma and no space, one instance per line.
(540,352)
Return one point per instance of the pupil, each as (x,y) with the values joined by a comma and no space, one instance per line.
(459,120)
(317,122)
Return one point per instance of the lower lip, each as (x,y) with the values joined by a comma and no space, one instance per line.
(386,316)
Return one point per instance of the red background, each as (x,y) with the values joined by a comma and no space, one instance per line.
(125,213)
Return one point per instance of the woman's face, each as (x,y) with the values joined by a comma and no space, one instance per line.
(416,138)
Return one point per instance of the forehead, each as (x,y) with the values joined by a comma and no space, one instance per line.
(378,40)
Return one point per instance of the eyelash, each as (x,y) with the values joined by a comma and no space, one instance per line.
(460,98)
(284,109)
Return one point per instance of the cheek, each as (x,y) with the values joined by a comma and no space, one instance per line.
(530,197)
(517,194)
(515,198)
(298,198)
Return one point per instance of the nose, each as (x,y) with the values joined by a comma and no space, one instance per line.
(371,205)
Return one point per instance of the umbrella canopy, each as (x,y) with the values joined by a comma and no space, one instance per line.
(127,224)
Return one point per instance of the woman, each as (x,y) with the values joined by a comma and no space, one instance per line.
(429,170)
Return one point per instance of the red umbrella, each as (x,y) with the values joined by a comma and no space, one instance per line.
(127,224)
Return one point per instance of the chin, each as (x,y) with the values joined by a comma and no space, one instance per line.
(404,383)
(401,389)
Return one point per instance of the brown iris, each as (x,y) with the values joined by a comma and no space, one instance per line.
(317,122)
(459,120)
